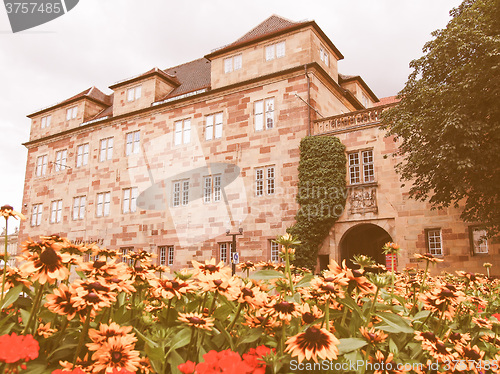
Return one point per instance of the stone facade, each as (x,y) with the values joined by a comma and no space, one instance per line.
(175,158)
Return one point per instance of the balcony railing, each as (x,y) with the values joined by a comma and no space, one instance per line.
(341,122)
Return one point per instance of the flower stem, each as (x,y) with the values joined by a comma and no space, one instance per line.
(34,308)
(288,271)
(83,335)
(236,315)
(372,307)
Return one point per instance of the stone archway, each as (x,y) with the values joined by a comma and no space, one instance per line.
(365,238)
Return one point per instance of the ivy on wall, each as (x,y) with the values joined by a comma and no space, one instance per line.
(321,194)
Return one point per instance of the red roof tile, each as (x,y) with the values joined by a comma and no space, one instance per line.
(387,100)
(193,76)
(270,25)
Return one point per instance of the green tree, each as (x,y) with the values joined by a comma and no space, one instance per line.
(448,120)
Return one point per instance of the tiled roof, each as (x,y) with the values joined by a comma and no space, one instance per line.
(194,75)
(387,100)
(154,71)
(270,25)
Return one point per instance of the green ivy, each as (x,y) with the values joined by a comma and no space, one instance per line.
(321,194)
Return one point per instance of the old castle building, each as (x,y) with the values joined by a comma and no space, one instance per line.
(173,158)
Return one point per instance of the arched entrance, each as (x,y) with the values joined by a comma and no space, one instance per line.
(366,239)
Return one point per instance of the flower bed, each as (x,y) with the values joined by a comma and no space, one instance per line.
(135,317)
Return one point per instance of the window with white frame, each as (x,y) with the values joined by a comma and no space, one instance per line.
(182,132)
(71,113)
(106,149)
(130,199)
(264,113)
(79,207)
(180,193)
(434,242)
(212,188)
(223,252)
(162,256)
(134,93)
(324,56)
(82,155)
(213,126)
(36,214)
(232,63)
(41,165)
(170,255)
(103,204)
(265,180)
(56,211)
(45,122)
(479,240)
(275,251)
(276,50)
(61,159)
(133,140)
(125,252)
(361,169)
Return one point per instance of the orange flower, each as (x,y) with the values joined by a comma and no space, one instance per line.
(105,332)
(252,296)
(373,336)
(313,343)
(197,320)
(61,302)
(283,310)
(92,294)
(310,315)
(209,268)
(7,211)
(428,257)
(168,289)
(47,266)
(45,330)
(116,353)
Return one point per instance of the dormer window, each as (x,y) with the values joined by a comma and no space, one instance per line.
(134,93)
(276,50)
(71,113)
(232,63)
(46,121)
(323,55)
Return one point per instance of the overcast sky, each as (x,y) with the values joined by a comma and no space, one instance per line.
(100,42)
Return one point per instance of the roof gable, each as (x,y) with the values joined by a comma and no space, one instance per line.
(272,24)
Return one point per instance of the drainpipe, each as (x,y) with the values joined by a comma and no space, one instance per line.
(308,101)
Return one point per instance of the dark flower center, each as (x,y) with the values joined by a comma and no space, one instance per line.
(440,347)
(211,268)
(447,293)
(98,264)
(429,336)
(116,357)
(329,288)
(247,292)
(285,307)
(372,336)
(308,317)
(329,279)
(197,321)
(455,336)
(313,339)
(472,354)
(217,282)
(92,297)
(49,257)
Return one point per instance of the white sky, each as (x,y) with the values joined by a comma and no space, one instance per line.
(100,42)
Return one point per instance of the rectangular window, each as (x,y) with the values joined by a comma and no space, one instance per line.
(41,165)
(106,149)
(126,251)
(82,155)
(213,126)
(79,207)
(212,188)
(134,93)
(162,256)
(434,242)
(61,158)
(182,134)
(170,256)
(56,211)
(180,193)
(223,255)
(276,50)
(323,55)
(361,168)
(479,240)
(71,113)
(130,199)
(260,106)
(275,247)
(103,204)
(46,121)
(265,181)
(133,142)
(36,215)
(232,63)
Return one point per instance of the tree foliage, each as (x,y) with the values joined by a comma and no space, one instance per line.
(448,120)
(321,194)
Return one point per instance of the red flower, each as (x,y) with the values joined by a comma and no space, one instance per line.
(254,359)
(64,371)
(187,367)
(14,348)
(496,315)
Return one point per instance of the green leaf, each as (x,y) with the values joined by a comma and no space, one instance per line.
(174,360)
(155,353)
(304,282)
(251,336)
(12,296)
(350,344)
(421,315)
(266,274)
(148,341)
(180,340)
(394,323)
